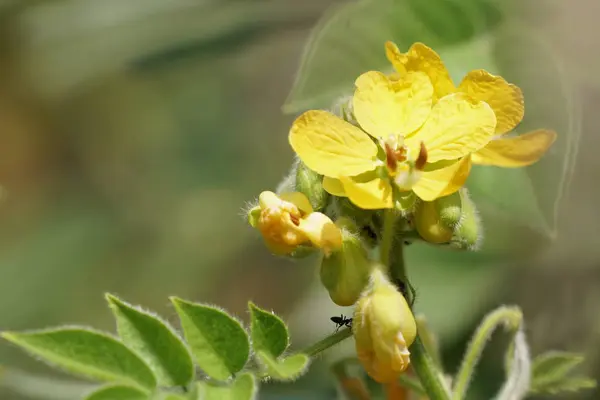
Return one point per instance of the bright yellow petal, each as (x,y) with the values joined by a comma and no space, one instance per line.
(422,58)
(518,151)
(457,126)
(505,99)
(299,200)
(444,181)
(371,195)
(384,107)
(393,54)
(322,232)
(331,146)
(333,186)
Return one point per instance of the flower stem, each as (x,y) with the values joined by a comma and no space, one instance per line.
(510,317)
(327,342)
(430,376)
(385,247)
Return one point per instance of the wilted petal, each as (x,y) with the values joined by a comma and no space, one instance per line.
(322,232)
(457,126)
(331,146)
(517,151)
(443,181)
(505,99)
(384,107)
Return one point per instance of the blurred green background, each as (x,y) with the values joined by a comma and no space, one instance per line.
(133,132)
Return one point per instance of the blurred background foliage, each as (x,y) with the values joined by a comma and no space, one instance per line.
(132,132)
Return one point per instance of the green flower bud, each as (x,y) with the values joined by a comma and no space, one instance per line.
(311,184)
(384,327)
(345,272)
(468,232)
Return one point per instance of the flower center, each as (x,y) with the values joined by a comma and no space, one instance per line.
(405,172)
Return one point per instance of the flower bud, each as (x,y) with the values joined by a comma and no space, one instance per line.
(429,224)
(468,233)
(310,184)
(287,223)
(345,272)
(384,327)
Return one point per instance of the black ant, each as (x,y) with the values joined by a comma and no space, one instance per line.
(341,321)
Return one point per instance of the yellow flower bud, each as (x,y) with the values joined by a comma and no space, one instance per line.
(384,327)
(345,272)
(429,224)
(287,222)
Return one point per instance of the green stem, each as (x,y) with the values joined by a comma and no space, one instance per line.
(511,317)
(385,247)
(327,342)
(430,376)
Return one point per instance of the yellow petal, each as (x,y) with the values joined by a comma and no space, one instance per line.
(331,146)
(444,181)
(384,107)
(505,99)
(518,151)
(457,126)
(422,58)
(322,232)
(393,54)
(333,186)
(371,195)
(299,200)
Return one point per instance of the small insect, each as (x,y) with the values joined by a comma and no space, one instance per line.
(341,321)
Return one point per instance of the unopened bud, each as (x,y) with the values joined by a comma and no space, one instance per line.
(384,327)
(311,184)
(345,272)
(468,233)
(429,224)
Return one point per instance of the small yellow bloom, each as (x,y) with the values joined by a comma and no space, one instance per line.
(421,144)
(504,98)
(384,327)
(287,221)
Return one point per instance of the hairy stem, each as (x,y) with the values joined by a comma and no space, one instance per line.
(511,317)
(385,247)
(327,342)
(430,376)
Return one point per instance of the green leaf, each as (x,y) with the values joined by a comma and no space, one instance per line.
(566,385)
(525,57)
(243,388)
(349,40)
(155,342)
(554,365)
(268,331)
(550,373)
(118,392)
(86,353)
(218,342)
(287,369)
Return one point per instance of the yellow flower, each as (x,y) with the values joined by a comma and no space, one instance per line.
(384,328)
(403,137)
(504,98)
(287,221)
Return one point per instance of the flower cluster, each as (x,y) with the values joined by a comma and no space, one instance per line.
(405,142)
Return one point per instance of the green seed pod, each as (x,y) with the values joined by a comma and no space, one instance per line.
(345,273)
(311,184)
(468,233)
